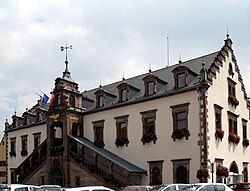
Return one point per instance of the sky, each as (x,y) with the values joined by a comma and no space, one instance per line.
(111,39)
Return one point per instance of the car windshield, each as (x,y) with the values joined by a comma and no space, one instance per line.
(159,188)
(191,187)
(4,188)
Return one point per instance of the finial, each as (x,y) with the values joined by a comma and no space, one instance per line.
(149,68)
(66,73)
(180,59)
(123,78)
(227,34)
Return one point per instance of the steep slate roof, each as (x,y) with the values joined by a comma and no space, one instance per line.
(165,74)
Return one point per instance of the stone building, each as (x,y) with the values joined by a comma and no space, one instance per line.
(159,127)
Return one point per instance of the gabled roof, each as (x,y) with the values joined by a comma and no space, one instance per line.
(165,74)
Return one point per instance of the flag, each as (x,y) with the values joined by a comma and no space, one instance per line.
(45,99)
(52,98)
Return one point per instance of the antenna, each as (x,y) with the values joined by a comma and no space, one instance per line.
(167,51)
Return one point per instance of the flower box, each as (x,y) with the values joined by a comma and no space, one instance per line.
(121,141)
(202,173)
(233,138)
(149,137)
(99,144)
(222,171)
(219,133)
(180,133)
(233,100)
(24,153)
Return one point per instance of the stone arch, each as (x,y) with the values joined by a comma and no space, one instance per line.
(56,132)
(234,168)
(181,174)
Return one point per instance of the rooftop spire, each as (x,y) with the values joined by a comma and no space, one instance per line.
(66,73)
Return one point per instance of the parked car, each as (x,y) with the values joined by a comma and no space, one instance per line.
(17,187)
(170,187)
(207,187)
(89,188)
(240,186)
(49,188)
(136,188)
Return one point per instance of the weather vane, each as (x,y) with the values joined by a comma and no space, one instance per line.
(66,48)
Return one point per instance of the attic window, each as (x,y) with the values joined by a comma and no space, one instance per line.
(183,76)
(150,84)
(100,100)
(123,95)
(181,80)
(26,120)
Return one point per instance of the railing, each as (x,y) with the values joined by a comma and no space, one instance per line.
(31,163)
(96,170)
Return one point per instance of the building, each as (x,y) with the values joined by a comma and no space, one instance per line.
(3,163)
(163,126)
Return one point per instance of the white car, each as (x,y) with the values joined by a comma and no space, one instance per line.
(17,187)
(89,188)
(169,187)
(207,187)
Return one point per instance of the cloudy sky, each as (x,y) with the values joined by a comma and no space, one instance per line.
(111,39)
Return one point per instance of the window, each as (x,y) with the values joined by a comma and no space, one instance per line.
(123,95)
(26,120)
(150,88)
(37,140)
(244,128)
(183,76)
(217,110)
(180,116)
(72,100)
(121,131)
(98,133)
(150,82)
(12,147)
(230,70)
(231,87)
(58,99)
(100,101)
(180,121)
(181,80)
(155,169)
(24,144)
(39,116)
(232,123)
(148,125)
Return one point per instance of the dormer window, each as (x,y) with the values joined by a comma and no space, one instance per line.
(152,84)
(123,95)
(103,98)
(26,120)
(150,88)
(181,80)
(39,116)
(126,91)
(100,101)
(183,76)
